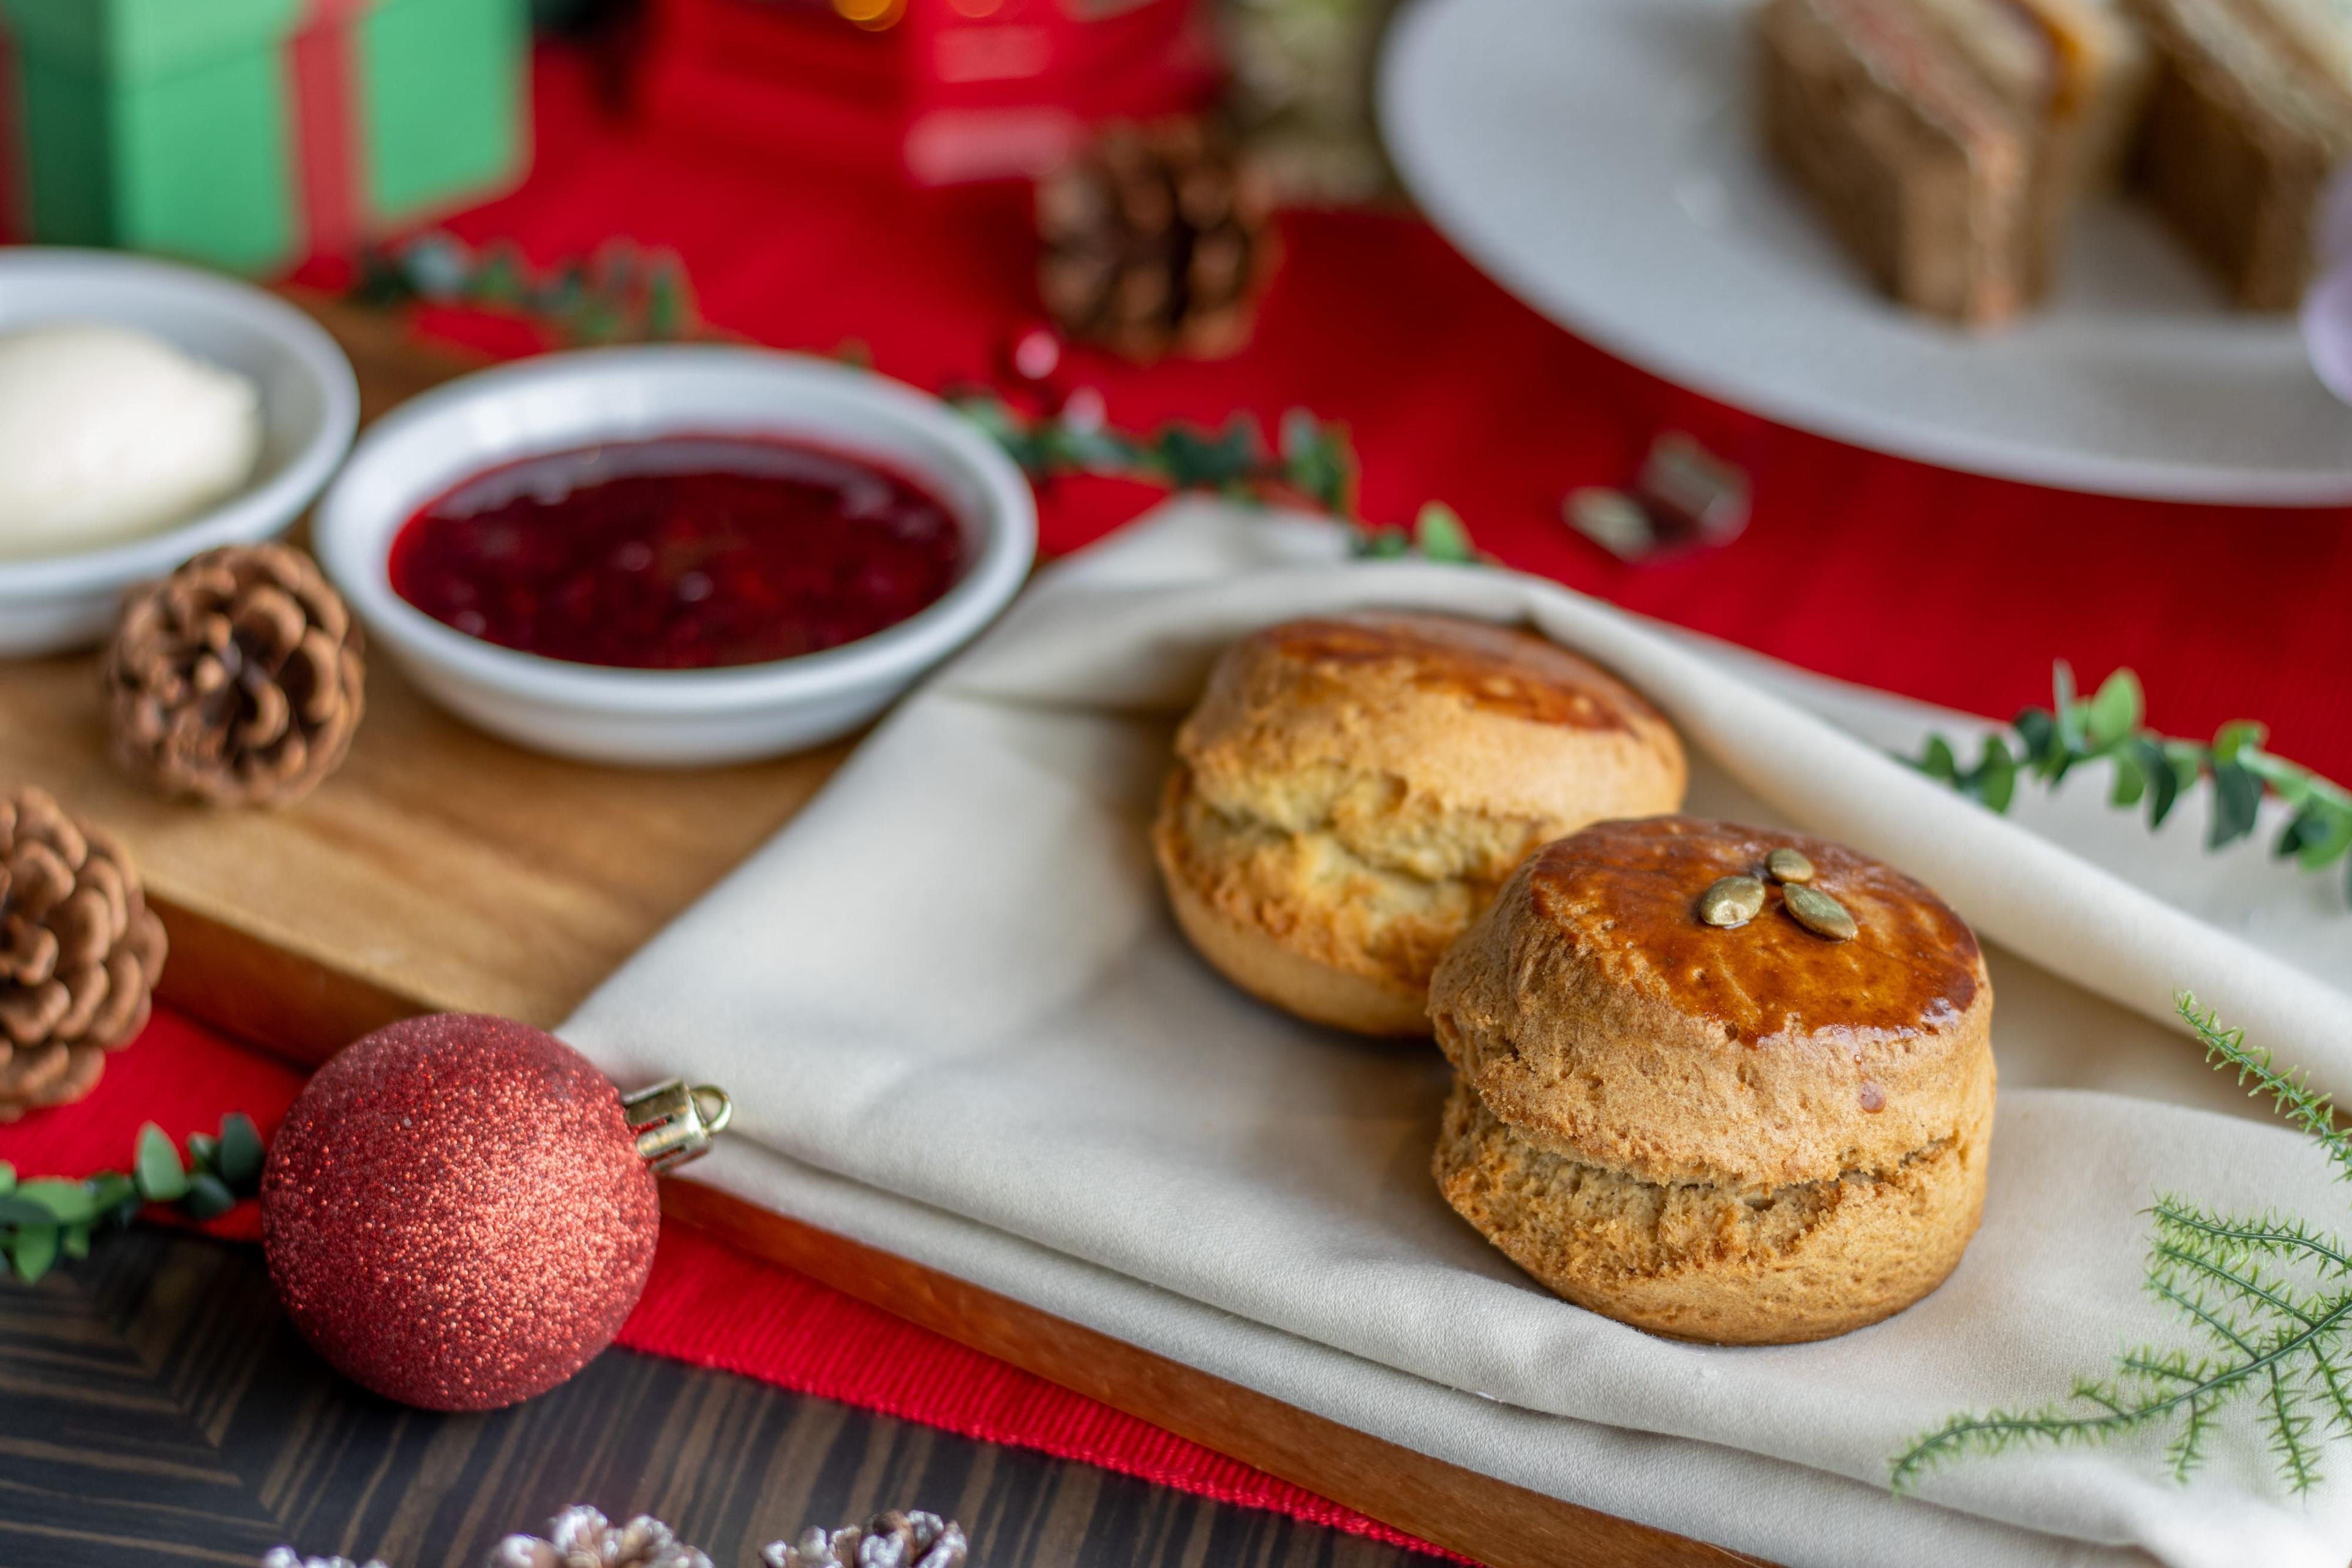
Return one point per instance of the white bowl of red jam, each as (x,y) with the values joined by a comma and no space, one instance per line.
(674,556)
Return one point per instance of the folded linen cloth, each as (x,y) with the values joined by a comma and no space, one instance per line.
(958,1025)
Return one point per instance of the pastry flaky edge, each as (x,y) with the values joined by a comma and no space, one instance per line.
(1332,823)
(1637,1163)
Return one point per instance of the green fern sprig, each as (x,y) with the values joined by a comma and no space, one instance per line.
(2310,1110)
(2047,744)
(2270,1296)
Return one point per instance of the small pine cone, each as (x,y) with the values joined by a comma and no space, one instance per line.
(892,1540)
(1155,238)
(80,951)
(580,1537)
(237,679)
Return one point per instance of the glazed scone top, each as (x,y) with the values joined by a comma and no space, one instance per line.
(1596,1012)
(1626,894)
(1386,722)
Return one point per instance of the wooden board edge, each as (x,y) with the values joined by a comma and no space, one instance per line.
(292,1006)
(1490,1520)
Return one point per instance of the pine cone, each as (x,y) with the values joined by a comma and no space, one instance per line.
(237,679)
(80,951)
(1155,238)
(892,1540)
(580,1537)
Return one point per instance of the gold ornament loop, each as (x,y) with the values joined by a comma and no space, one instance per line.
(714,1121)
(672,1124)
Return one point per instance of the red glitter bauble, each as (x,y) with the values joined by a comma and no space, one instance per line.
(456,1213)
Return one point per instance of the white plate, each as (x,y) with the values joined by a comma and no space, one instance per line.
(309,407)
(1596,156)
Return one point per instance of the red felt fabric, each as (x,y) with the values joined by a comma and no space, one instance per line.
(1956,589)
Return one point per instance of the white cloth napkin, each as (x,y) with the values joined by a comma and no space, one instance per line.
(959,1025)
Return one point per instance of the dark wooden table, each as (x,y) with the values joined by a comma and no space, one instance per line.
(156,1407)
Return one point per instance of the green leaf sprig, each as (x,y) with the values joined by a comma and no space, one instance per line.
(622,293)
(2150,769)
(1438,534)
(1311,463)
(2269,1296)
(45,1218)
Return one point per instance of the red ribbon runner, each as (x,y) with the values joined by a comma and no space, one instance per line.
(329,143)
(16,143)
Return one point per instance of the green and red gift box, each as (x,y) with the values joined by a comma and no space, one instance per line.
(253,133)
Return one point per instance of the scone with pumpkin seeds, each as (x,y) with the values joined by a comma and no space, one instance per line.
(1350,792)
(1751,1135)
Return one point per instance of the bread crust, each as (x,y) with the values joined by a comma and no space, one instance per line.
(1351,791)
(1705,1262)
(1611,1037)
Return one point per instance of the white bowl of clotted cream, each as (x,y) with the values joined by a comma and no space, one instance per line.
(57,598)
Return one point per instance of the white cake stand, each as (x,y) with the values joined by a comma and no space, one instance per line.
(1597,157)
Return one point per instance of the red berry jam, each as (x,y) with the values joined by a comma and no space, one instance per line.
(685,552)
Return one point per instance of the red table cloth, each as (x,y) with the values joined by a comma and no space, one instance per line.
(1949,588)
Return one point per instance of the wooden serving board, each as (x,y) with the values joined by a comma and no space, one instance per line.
(444,871)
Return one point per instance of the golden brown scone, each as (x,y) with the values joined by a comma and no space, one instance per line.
(1350,792)
(1753,1135)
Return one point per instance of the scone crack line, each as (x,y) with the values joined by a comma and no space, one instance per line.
(1756,1198)
(1321,852)
(1496,843)
(1656,1230)
(1663,1115)
(1748,1186)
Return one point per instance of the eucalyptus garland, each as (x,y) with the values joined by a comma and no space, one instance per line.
(2268,1296)
(2151,769)
(621,293)
(46,1218)
(1311,463)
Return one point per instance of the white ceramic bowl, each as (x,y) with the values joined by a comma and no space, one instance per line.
(662,717)
(309,407)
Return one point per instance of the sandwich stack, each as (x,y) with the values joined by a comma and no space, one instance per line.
(1948,141)
(2252,116)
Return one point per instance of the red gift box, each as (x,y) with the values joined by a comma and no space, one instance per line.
(943,90)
